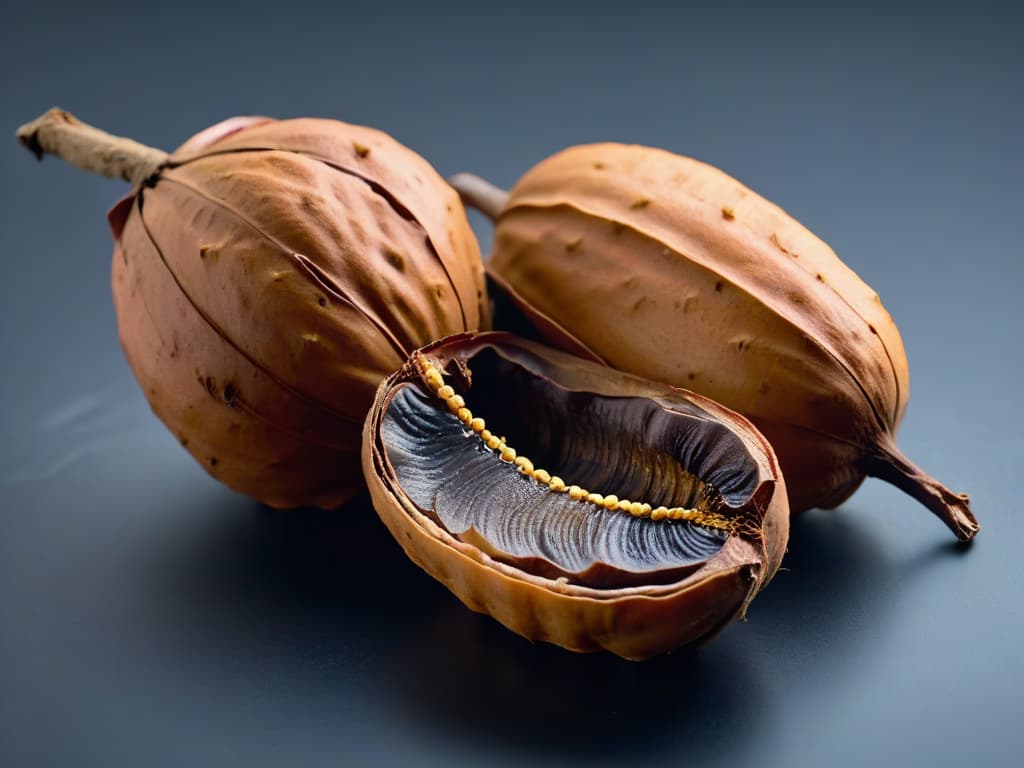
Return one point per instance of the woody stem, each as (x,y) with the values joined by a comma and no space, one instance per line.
(61,134)
(480,194)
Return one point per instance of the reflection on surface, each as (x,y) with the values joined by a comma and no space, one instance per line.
(482,683)
(325,605)
(340,594)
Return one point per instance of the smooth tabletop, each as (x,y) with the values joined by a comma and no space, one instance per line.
(151,617)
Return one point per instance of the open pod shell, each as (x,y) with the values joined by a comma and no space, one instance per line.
(514,541)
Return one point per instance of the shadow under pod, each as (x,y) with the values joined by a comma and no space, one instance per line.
(329,599)
(468,678)
(330,603)
(336,576)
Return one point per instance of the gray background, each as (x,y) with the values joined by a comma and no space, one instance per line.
(151,617)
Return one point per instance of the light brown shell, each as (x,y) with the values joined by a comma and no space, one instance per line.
(635,622)
(269,277)
(668,268)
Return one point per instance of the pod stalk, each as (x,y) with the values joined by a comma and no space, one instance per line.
(888,463)
(63,135)
(479,193)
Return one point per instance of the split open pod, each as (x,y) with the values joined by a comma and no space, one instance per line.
(575,504)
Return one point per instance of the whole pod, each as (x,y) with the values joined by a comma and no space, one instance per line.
(267,276)
(668,268)
(574,503)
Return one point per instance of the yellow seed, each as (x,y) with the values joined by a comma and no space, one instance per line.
(457,404)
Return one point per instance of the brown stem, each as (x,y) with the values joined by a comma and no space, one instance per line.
(62,134)
(480,194)
(954,509)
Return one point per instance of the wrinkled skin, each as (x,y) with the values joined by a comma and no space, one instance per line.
(269,277)
(668,268)
(635,620)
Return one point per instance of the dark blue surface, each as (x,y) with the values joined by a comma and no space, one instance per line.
(148,616)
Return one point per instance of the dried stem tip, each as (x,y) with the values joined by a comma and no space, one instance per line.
(480,194)
(62,134)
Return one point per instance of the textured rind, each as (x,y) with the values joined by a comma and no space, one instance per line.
(635,623)
(668,268)
(262,295)
(408,177)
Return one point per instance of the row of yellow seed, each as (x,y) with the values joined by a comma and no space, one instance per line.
(457,405)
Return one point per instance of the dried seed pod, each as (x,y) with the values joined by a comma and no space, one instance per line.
(267,276)
(668,268)
(511,527)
